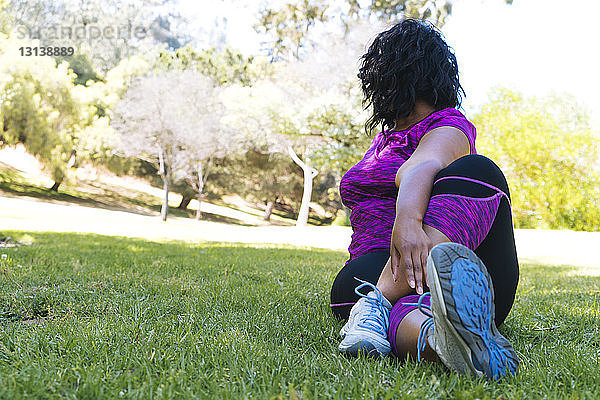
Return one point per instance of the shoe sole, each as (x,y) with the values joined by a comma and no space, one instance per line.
(367,348)
(463,304)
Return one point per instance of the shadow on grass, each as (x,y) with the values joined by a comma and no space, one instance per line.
(103,196)
(12,183)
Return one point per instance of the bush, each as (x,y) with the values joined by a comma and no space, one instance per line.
(342,219)
(549,156)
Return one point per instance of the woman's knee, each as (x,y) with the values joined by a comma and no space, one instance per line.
(472,163)
(478,167)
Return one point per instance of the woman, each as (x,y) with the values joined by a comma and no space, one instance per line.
(427,211)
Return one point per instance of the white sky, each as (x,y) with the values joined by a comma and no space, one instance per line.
(535,46)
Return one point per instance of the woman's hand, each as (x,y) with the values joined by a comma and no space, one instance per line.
(409,250)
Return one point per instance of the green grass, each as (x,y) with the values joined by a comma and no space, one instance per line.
(88,316)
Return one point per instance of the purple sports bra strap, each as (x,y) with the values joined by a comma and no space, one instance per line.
(475,181)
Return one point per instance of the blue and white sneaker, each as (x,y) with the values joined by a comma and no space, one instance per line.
(461,329)
(366,329)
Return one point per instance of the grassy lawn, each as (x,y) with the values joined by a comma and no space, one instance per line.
(87,316)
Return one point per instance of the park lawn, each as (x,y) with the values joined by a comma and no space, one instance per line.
(89,316)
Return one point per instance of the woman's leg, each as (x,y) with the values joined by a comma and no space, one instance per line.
(492,240)
(368,268)
(374,268)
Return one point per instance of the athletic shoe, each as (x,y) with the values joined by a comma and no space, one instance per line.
(461,329)
(366,329)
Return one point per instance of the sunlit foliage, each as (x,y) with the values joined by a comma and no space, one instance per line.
(549,155)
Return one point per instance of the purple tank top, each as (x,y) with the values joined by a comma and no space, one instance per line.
(369,190)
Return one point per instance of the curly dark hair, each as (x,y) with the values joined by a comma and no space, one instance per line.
(409,62)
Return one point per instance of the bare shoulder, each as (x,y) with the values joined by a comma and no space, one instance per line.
(444,143)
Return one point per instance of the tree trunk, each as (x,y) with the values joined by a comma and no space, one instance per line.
(185,202)
(72,159)
(304,206)
(54,187)
(165,173)
(164,210)
(200,189)
(309,174)
(269,211)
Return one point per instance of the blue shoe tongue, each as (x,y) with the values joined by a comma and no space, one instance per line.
(373,295)
(380,299)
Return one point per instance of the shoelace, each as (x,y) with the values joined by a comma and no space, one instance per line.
(427,324)
(373,320)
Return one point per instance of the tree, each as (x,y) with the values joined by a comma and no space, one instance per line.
(282,113)
(251,110)
(205,139)
(309,174)
(227,66)
(289,24)
(41,108)
(5,19)
(171,120)
(269,179)
(82,67)
(326,113)
(550,158)
(343,127)
(435,11)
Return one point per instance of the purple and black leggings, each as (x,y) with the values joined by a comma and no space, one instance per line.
(470,204)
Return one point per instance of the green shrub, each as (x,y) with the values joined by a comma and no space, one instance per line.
(342,219)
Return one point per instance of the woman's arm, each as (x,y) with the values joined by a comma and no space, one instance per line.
(410,245)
